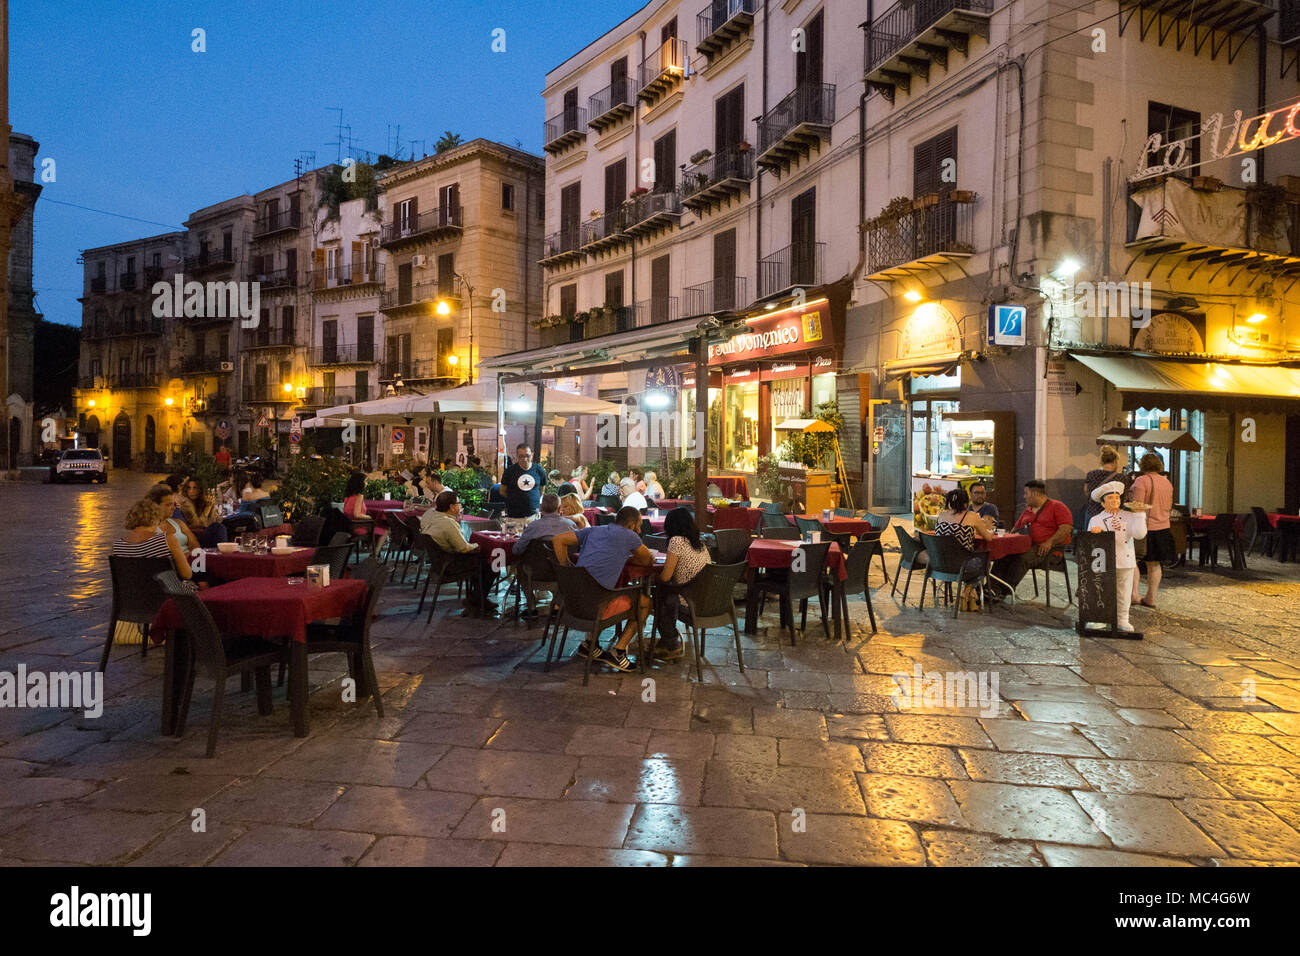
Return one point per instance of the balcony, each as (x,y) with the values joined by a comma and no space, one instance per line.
(142,325)
(279,279)
(205,365)
(346,276)
(335,354)
(266,337)
(604,232)
(134,380)
(607,322)
(723,24)
(128,281)
(418,370)
(905,39)
(564,130)
(796,126)
(1218,27)
(209,260)
(797,266)
(939,229)
(218,405)
(717,295)
(561,247)
(650,212)
(717,180)
(662,71)
(273,393)
(612,105)
(98,285)
(657,310)
(285,220)
(326,397)
(446,222)
(417,294)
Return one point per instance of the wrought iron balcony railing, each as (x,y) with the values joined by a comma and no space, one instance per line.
(417,293)
(564,129)
(321,396)
(656,310)
(798,265)
(437,223)
(906,38)
(280,221)
(612,104)
(265,337)
(336,354)
(722,23)
(662,70)
(562,245)
(209,259)
(347,275)
(651,211)
(942,225)
(718,178)
(717,295)
(796,124)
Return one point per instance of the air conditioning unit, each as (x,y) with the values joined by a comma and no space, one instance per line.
(417,261)
(227,366)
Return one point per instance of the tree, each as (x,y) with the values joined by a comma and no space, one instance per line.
(447,141)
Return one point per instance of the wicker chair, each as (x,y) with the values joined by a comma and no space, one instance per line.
(585,602)
(709,604)
(800,586)
(137,597)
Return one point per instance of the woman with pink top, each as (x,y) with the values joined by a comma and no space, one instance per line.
(1152,488)
(354,506)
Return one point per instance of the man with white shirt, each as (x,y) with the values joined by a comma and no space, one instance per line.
(631,497)
(1128,526)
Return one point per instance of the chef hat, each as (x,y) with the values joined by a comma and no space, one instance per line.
(1109,488)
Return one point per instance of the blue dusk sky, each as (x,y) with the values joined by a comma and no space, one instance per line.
(141,126)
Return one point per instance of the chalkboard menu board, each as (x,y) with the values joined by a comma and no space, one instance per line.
(1098,598)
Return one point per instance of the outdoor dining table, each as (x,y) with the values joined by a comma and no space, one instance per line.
(1002,546)
(260,607)
(775,553)
(1204,522)
(840,525)
(240,564)
(494,543)
(1289,525)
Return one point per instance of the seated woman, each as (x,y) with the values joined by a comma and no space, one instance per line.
(354,505)
(960,522)
(162,494)
(578,479)
(610,487)
(687,557)
(145,538)
(200,515)
(638,480)
(652,489)
(571,508)
(229,491)
(253,491)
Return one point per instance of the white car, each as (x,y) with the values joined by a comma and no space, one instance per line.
(81,464)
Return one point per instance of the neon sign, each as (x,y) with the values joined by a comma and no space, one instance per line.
(1175,156)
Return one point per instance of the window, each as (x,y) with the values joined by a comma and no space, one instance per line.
(808,61)
(445,348)
(803,239)
(570,122)
(327,387)
(447,274)
(365,338)
(130,265)
(123,367)
(157,260)
(362,386)
(96,368)
(508,196)
(286,374)
(128,318)
(201,343)
(571,213)
(291,265)
(669,31)
(541,206)
(614,299)
(729,120)
(615,186)
(406,215)
(724,271)
(666,162)
(619,93)
(223,346)
(659,288)
(331,263)
(227,246)
(1174,124)
(329,337)
(102,269)
(404,283)
(928,162)
(286,322)
(449,202)
(569,300)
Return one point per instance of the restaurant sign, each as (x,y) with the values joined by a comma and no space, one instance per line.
(771,335)
(932,330)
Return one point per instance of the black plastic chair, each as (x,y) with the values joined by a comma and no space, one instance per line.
(604,518)
(446,567)
(307,534)
(844,512)
(535,571)
(858,567)
(877,549)
(397,543)
(806,525)
(413,532)
(137,597)
(1055,562)
(609,501)
(351,636)
(877,522)
(949,562)
(800,586)
(709,604)
(772,507)
(772,519)
(913,557)
(655,542)
(584,608)
(732,545)
(782,532)
(217,657)
(336,556)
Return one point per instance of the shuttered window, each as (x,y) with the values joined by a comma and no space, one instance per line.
(928,163)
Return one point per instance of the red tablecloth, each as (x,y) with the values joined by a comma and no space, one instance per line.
(271,607)
(1001,546)
(592,514)
(772,553)
(1275,517)
(747,518)
(475,521)
(733,486)
(855,526)
(1206,522)
(635,572)
(236,565)
(491,542)
(668,504)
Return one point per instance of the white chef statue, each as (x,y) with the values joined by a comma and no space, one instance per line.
(1128,527)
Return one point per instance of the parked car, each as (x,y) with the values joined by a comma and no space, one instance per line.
(81,464)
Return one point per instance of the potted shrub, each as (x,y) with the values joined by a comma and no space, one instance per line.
(962,195)
(638,193)
(743,147)
(701,156)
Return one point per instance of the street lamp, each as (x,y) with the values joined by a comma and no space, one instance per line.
(443,308)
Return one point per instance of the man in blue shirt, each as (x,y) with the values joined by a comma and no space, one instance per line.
(605,551)
(979,501)
(522,484)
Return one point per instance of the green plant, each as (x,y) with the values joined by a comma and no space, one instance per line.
(335,189)
(446,141)
(377,488)
(769,477)
(200,465)
(597,472)
(465,482)
(815,449)
(681,478)
(310,483)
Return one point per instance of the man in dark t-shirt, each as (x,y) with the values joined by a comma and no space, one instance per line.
(522,484)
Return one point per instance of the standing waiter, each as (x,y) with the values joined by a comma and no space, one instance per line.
(522,484)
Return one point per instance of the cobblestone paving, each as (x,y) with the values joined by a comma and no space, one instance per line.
(1183,748)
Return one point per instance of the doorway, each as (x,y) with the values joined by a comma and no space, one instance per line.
(150,436)
(121,441)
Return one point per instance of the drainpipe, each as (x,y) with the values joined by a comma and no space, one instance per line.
(758,171)
(636,173)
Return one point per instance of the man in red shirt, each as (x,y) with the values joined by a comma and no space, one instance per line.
(1050,525)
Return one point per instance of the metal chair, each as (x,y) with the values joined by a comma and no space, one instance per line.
(351,636)
(709,604)
(858,566)
(913,557)
(307,534)
(217,657)
(585,607)
(800,586)
(780,532)
(949,562)
(137,597)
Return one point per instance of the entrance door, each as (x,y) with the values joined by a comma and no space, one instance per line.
(891,484)
(121,441)
(150,436)
(15,440)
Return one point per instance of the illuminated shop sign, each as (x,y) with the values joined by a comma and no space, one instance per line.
(792,330)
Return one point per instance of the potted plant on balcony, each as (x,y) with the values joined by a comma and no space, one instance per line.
(922,202)
(595,313)
(888,217)
(637,193)
(743,147)
(701,156)
(580,317)
(595,214)
(961,195)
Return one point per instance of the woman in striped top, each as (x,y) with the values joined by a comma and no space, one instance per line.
(144,539)
(960,522)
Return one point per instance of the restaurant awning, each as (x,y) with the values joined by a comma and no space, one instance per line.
(1172,438)
(1218,379)
(942,364)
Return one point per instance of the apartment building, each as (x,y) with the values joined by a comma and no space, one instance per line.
(127,401)
(1015,160)
(18,317)
(700,159)
(460,239)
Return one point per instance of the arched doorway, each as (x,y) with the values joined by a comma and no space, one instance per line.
(121,441)
(90,432)
(150,436)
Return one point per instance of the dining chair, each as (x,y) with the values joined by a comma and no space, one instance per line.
(913,557)
(351,635)
(585,608)
(772,507)
(780,533)
(877,550)
(858,566)
(535,571)
(732,544)
(446,567)
(137,598)
(878,522)
(772,519)
(800,586)
(806,525)
(604,518)
(218,657)
(709,604)
(844,512)
(398,541)
(413,533)
(335,555)
(1055,562)
(609,501)
(949,562)
(307,533)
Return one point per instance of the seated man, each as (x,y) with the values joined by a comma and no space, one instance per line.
(631,497)
(547,526)
(442,524)
(605,551)
(1050,525)
(979,494)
